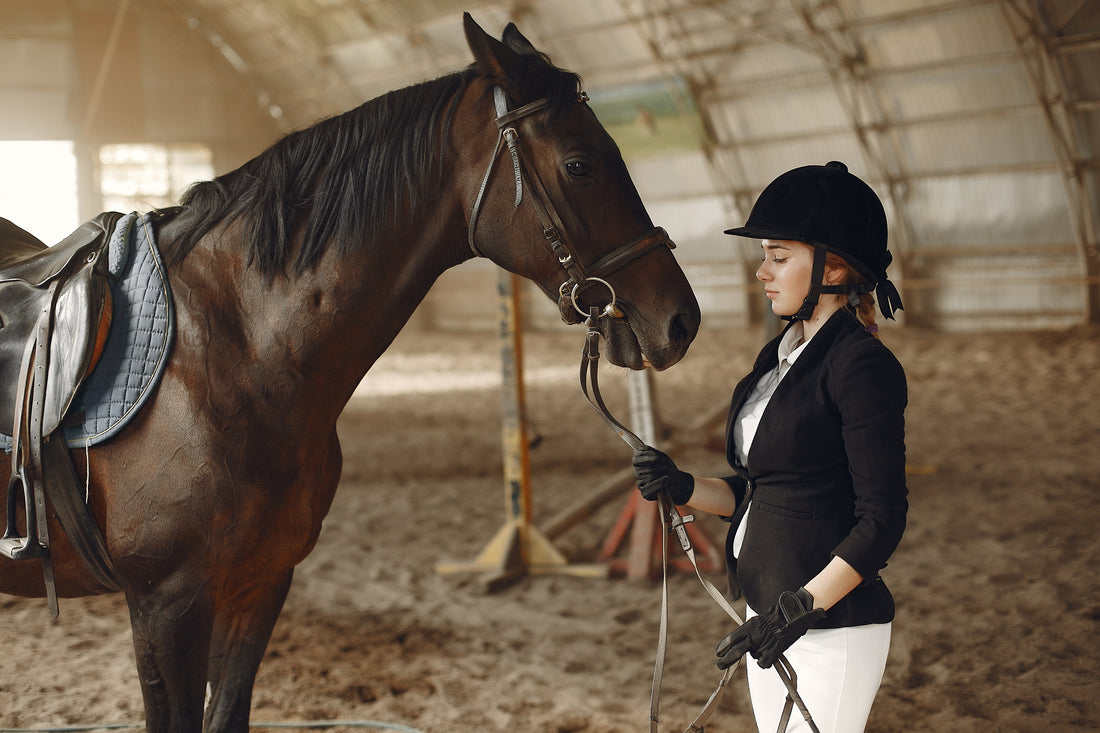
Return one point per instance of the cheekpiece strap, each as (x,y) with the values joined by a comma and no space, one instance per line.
(816,288)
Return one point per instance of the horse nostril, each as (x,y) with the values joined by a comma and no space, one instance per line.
(683,327)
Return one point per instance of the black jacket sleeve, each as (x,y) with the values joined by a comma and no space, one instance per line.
(869,388)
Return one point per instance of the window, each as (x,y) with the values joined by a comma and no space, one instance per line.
(145,177)
(38,187)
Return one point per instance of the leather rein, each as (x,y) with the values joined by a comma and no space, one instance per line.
(674,522)
(578,277)
(578,274)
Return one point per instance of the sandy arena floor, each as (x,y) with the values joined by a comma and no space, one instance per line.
(996,583)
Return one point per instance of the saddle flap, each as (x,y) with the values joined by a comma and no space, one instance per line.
(81,317)
(20,308)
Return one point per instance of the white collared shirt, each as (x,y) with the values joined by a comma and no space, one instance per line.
(748,419)
(791,347)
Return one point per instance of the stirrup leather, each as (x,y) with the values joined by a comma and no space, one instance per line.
(26,453)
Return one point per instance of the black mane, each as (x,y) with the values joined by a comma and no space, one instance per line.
(345,178)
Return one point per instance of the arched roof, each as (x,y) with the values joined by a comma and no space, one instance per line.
(976,121)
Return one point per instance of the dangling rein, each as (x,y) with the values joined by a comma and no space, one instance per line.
(673,521)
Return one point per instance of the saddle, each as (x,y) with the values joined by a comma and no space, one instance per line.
(55,313)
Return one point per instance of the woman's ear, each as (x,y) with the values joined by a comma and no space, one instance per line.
(835,274)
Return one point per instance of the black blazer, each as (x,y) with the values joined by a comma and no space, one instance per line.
(826,472)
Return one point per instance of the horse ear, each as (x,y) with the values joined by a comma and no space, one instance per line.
(495,61)
(516,40)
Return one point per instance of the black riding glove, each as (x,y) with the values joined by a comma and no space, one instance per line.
(655,472)
(771,633)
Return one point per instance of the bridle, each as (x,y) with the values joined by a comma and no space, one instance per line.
(578,275)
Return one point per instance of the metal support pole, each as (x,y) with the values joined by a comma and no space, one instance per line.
(518,548)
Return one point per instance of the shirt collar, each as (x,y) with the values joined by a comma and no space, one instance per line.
(791,345)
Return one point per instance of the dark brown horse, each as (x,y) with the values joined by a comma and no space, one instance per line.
(291,275)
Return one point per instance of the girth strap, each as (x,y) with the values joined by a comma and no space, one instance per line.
(62,487)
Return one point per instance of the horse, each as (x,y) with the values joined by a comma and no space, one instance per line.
(290,276)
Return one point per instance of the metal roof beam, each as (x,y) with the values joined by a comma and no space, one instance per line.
(896,124)
(814,77)
(1048,81)
(858,92)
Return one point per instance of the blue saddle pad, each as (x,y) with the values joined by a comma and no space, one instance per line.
(143,327)
(138,344)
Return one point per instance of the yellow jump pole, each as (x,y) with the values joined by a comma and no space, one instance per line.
(518,548)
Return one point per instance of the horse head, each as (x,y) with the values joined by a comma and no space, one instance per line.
(554,203)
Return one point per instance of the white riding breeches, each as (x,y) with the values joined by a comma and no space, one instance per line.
(838,674)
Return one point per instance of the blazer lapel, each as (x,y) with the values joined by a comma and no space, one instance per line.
(838,323)
(767,360)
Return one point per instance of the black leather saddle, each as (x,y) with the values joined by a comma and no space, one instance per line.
(55,313)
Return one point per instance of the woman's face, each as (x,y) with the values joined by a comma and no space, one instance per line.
(785,272)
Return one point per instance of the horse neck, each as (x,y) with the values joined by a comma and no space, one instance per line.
(309,338)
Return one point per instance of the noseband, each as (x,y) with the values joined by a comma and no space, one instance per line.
(578,275)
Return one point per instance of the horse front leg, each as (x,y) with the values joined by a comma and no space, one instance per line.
(172,626)
(241,634)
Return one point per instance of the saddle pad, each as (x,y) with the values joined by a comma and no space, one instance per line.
(138,344)
(143,327)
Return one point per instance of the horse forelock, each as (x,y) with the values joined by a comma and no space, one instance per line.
(340,182)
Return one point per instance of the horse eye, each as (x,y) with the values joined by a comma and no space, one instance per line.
(578,168)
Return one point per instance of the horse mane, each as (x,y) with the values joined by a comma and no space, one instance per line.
(342,180)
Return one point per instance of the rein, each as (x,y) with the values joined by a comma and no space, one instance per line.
(578,275)
(674,522)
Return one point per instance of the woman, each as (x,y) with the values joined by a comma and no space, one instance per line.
(816,437)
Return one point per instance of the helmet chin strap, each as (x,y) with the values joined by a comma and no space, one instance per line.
(818,287)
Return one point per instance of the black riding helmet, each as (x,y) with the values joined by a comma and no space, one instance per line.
(831,210)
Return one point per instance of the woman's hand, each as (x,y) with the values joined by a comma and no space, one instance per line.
(655,472)
(771,633)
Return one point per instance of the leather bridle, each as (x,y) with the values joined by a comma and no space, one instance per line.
(578,275)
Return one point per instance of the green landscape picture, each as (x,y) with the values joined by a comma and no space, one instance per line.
(654,118)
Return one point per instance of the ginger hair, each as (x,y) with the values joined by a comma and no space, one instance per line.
(865,311)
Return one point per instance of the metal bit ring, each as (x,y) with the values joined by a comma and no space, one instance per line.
(609,310)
